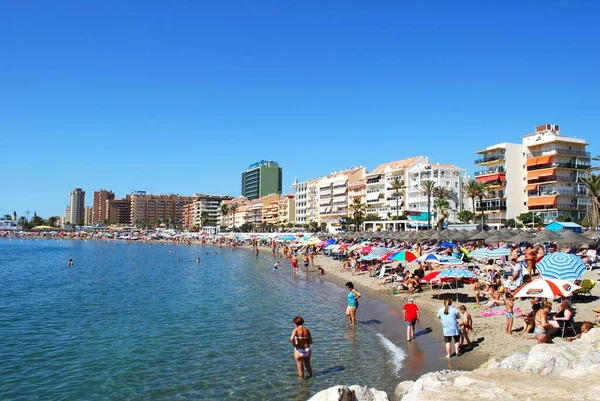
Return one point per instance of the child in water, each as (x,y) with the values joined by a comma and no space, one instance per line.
(276,266)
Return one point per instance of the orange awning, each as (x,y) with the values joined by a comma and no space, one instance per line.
(542,201)
(534,175)
(536,161)
(531,187)
(492,177)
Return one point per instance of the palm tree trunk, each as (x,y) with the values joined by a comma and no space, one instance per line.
(429,212)
(397,215)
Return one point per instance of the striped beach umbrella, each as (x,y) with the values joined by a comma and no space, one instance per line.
(561,265)
(404,256)
(456,273)
(432,257)
(546,288)
(481,253)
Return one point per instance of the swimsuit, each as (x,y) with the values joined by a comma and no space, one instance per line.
(303,352)
(352,301)
(509,315)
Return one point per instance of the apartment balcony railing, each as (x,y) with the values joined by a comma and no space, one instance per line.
(566,192)
(560,151)
(489,159)
(561,178)
(494,208)
(375,181)
(560,165)
(494,170)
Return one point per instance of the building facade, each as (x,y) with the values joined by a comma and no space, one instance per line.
(333,195)
(153,210)
(300,199)
(204,211)
(261,179)
(88,214)
(100,205)
(119,211)
(76,207)
(555,164)
(287,210)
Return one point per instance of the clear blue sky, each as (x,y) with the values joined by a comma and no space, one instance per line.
(180,96)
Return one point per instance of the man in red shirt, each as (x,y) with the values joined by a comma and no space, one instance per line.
(411,317)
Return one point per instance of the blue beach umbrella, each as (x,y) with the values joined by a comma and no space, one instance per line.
(432,257)
(456,273)
(481,253)
(446,244)
(561,265)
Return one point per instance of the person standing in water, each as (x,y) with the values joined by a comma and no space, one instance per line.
(411,317)
(449,315)
(353,296)
(301,340)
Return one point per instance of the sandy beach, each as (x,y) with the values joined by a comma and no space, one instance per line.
(493,342)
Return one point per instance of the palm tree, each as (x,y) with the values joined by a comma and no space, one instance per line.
(398,187)
(472,188)
(592,185)
(7,217)
(484,192)
(224,212)
(428,186)
(358,209)
(442,206)
(204,217)
(22,222)
(232,209)
(441,196)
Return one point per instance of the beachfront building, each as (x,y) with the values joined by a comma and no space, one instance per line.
(300,199)
(76,207)
(555,164)
(446,176)
(261,179)
(502,167)
(87,216)
(154,210)
(333,194)
(100,204)
(205,210)
(380,199)
(312,201)
(269,210)
(287,210)
(119,212)
(228,220)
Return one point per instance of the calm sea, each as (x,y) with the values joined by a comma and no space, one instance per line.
(130,322)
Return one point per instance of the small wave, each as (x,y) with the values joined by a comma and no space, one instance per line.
(396,352)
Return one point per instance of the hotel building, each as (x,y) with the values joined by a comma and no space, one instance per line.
(540,176)
(333,194)
(119,211)
(502,168)
(261,179)
(156,209)
(445,176)
(76,207)
(380,197)
(205,208)
(555,164)
(300,199)
(100,204)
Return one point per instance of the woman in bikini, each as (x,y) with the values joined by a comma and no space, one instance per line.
(301,340)
(541,324)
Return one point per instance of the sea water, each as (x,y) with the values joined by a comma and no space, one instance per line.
(146,322)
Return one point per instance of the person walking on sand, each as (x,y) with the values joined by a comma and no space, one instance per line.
(301,340)
(353,296)
(449,315)
(411,317)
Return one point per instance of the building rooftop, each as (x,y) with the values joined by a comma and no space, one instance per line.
(396,165)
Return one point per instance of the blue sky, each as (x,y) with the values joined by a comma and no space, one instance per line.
(180,96)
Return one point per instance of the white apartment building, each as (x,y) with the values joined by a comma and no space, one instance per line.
(210,204)
(445,176)
(333,194)
(254,212)
(312,201)
(300,200)
(76,206)
(503,169)
(380,197)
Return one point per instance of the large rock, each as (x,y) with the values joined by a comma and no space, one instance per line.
(352,393)
(562,371)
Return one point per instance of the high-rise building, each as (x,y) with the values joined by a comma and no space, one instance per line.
(153,210)
(119,211)
(77,206)
(261,179)
(333,194)
(541,176)
(300,198)
(87,219)
(204,210)
(100,206)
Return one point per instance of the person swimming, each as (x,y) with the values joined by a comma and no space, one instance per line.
(197,260)
(70,262)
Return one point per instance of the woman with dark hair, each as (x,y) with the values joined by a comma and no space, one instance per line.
(353,296)
(301,340)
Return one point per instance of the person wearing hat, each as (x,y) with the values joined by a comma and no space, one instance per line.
(411,317)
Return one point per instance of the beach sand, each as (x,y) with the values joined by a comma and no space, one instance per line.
(492,341)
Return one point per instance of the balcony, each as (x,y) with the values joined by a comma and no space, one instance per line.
(374,181)
(560,151)
(551,178)
(494,170)
(565,192)
(487,159)
(559,165)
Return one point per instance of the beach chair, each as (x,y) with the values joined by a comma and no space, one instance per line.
(568,325)
(592,256)
(586,287)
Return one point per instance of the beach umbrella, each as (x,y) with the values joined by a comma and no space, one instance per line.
(330,247)
(591,234)
(431,257)
(494,239)
(446,244)
(459,236)
(571,237)
(561,265)
(546,288)
(481,253)
(456,273)
(479,235)
(404,256)
(520,237)
(498,253)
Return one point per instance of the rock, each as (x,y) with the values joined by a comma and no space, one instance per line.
(513,362)
(352,393)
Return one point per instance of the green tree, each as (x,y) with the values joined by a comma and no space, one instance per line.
(7,217)
(37,221)
(224,211)
(512,223)
(466,216)
(472,188)
(246,227)
(23,223)
(592,187)
(204,218)
(357,208)
(398,187)
(564,218)
(526,218)
(232,210)
(427,187)
(52,220)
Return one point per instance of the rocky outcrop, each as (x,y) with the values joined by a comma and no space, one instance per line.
(352,393)
(561,371)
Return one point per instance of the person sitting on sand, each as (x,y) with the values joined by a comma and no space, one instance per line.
(413,284)
(494,295)
(465,325)
(585,327)
(480,288)
(320,271)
